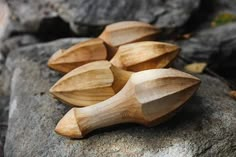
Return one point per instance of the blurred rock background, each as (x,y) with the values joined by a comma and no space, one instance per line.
(205,30)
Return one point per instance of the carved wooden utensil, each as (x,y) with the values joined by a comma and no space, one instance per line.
(95,82)
(77,55)
(145,55)
(148,98)
(102,48)
(125,32)
(89,84)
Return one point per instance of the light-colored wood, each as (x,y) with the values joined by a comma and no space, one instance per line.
(89,84)
(103,80)
(145,55)
(102,48)
(77,55)
(125,32)
(132,57)
(148,97)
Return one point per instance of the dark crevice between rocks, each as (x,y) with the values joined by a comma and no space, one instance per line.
(88,30)
(49,29)
(227,48)
(201,17)
(52,29)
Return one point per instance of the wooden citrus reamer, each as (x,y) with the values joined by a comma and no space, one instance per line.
(148,98)
(104,47)
(89,84)
(121,33)
(97,81)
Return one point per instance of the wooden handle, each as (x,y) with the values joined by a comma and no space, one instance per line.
(147,97)
(121,108)
(114,111)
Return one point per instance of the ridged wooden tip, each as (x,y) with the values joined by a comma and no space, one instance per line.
(68,126)
(52,60)
(145,55)
(77,55)
(76,88)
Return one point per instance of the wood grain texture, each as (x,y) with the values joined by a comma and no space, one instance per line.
(147,98)
(104,47)
(95,82)
(89,84)
(125,32)
(77,55)
(132,57)
(145,55)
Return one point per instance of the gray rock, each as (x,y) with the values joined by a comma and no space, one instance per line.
(85,16)
(5,47)
(206,126)
(5,78)
(12,43)
(216,46)
(27,14)
(1,150)
(226,6)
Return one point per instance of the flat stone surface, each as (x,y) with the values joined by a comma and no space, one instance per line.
(206,126)
(5,47)
(85,16)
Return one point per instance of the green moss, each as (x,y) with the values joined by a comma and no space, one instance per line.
(223,18)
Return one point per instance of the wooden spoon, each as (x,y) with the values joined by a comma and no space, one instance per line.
(147,98)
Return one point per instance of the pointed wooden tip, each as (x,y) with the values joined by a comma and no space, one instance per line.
(145,55)
(52,62)
(51,90)
(77,55)
(68,126)
(76,87)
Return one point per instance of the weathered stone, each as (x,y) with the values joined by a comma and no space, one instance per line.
(5,47)
(206,126)
(86,16)
(27,14)
(4,19)
(216,46)
(1,149)
(226,6)
(5,78)
(4,103)
(15,42)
